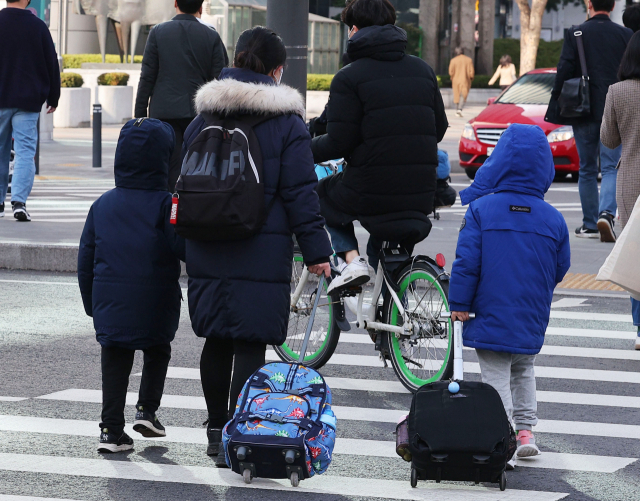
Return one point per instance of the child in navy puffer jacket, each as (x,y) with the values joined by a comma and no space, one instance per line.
(128,270)
(512,250)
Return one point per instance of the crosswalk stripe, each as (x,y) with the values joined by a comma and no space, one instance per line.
(357,447)
(318,485)
(584,315)
(590,333)
(12,399)
(365,414)
(193,402)
(472,368)
(9,497)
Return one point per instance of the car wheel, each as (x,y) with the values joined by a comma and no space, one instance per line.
(575,176)
(559,177)
(471,173)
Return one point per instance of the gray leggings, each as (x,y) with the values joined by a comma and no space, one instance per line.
(514,379)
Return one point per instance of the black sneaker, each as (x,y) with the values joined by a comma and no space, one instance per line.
(584,232)
(221,462)
(2,209)
(214,437)
(20,212)
(606,222)
(109,442)
(147,424)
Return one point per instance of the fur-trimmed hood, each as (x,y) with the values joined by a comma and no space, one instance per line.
(247,92)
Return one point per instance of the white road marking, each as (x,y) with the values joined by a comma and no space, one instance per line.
(9,497)
(13,399)
(590,333)
(568,302)
(377,448)
(583,315)
(318,485)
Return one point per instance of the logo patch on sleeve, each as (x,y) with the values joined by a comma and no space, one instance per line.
(519,208)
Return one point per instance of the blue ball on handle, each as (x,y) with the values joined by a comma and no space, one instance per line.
(454,387)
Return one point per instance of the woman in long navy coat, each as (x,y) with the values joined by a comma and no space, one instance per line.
(239,291)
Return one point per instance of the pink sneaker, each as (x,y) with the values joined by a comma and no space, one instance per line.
(526,444)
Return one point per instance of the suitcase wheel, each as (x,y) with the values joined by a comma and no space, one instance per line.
(414,477)
(295,480)
(247,477)
(503,481)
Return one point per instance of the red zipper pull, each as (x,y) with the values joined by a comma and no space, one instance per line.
(173,219)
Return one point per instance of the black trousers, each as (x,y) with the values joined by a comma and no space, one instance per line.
(116,369)
(175,163)
(220,389)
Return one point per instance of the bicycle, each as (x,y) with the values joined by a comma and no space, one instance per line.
(407,322)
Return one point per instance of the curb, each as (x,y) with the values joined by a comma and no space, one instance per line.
(38,257)
(43,257)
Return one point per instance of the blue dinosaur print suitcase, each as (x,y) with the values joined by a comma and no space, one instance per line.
(283,426)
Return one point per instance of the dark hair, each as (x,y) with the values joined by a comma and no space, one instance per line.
(364,13)
(259,49)
(505,60)
(630,64)
(631,17)
(603,5)
(189,6)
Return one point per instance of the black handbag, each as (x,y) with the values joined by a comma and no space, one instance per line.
(574,100)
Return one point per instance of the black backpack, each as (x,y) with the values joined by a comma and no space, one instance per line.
(220,192)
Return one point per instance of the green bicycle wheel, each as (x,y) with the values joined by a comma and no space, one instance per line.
(325,332)
(426,355)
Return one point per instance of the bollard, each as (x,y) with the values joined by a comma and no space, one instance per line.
(97,135)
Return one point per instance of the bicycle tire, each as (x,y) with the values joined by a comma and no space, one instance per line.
(321,346)
(440,365)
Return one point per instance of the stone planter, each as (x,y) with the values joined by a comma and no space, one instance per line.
(117,103)
(74,108)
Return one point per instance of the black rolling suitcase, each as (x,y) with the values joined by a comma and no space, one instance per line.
(459,430)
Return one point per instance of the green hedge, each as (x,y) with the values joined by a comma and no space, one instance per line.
(76,60)
(548,52)
(318,81)
(479,82)
(113,78)
(70,80)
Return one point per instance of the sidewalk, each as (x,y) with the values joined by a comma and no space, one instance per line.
(68,185)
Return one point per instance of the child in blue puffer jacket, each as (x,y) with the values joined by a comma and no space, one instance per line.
(513,250)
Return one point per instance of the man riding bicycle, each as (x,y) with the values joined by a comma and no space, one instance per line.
(385,117)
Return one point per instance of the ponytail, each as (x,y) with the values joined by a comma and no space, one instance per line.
(260,50)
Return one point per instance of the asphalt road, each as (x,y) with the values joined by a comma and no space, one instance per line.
(589,407)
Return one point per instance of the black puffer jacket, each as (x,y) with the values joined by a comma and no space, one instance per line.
(386,117)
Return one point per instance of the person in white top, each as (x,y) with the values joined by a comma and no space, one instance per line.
(506,71)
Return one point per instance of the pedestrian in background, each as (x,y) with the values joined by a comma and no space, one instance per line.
(506,72)
(462,73)
(621,126)
(512,251)
(239,290)
(181,55)
(604,44)
(128,271)
(631,17)
(29,77)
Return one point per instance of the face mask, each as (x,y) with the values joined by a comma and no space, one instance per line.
(280,77)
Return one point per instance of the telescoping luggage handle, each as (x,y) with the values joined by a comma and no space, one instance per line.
(307,334)
(458,367)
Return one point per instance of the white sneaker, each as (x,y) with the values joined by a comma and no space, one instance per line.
(512,463)
(638,342)
(458,113)
(354,274)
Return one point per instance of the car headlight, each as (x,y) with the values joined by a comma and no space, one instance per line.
(468,133)
(560,134)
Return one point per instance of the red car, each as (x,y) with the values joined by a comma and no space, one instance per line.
(524,102)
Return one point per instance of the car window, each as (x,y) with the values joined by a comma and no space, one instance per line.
(530,89)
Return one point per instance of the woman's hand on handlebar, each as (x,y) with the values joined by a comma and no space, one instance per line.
(319,269)
(463,316)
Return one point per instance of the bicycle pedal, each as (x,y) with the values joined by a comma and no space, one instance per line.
(353,292)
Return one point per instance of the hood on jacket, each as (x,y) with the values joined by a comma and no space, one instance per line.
(244,91)
(142,155)
(521,162)
(386,43)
